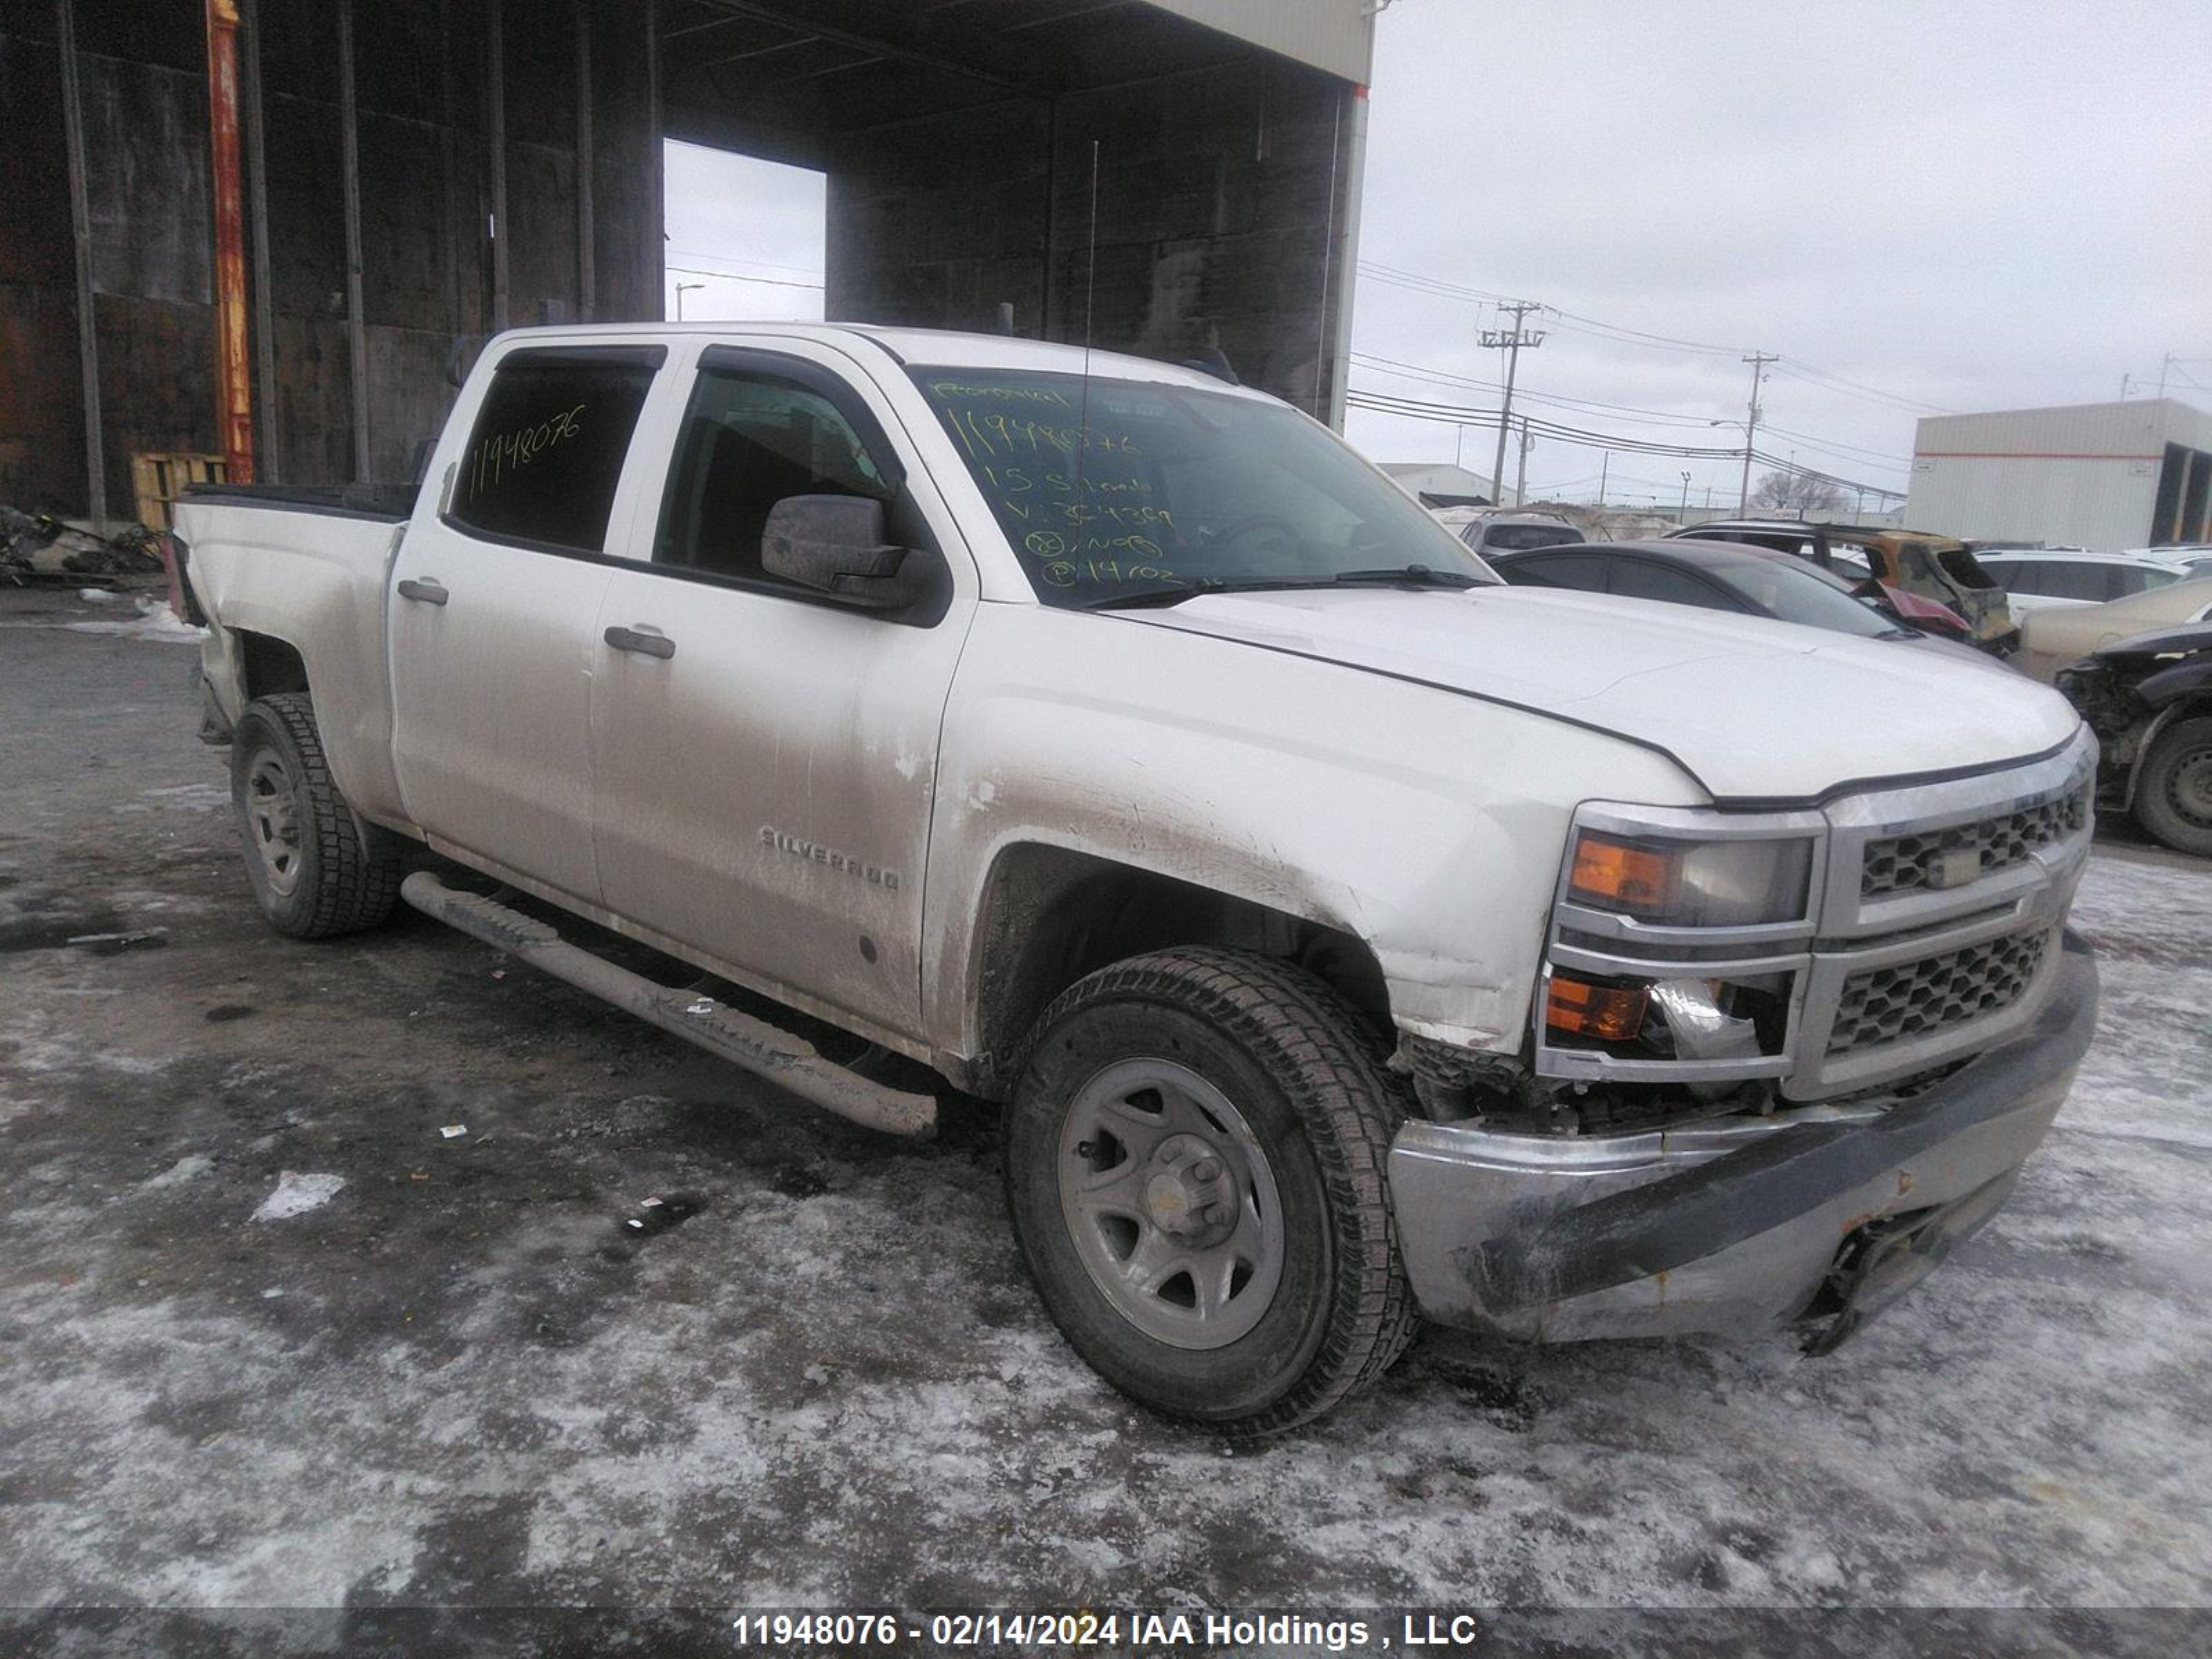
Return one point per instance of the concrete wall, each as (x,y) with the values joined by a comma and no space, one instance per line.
(2094,475)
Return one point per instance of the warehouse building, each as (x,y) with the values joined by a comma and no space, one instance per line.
(249,237)
(2100,476)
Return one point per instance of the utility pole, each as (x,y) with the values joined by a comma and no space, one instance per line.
(1605,462)
(1521,483)
(1510,340)
(1758,360)
(1682,517)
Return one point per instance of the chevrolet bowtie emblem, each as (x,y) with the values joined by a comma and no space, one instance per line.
(1956,868)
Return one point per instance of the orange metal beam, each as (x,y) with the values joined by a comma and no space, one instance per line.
(233,375)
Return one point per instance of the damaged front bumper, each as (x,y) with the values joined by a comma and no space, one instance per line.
(1733,1224)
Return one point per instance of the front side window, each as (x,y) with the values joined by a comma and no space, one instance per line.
(749,440)
(1585,573)
(1642,579)
(1111,486)
(546,453)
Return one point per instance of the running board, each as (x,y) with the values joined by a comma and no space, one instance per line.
(784,1057)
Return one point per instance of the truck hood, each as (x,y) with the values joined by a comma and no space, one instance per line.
(1753,710)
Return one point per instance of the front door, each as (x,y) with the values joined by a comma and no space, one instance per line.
(495,600)
(766,756)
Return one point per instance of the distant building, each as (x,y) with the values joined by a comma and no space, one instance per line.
(1434,484)
(2100,476)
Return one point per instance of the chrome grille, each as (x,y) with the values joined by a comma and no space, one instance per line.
(1912,999)
(1911,863)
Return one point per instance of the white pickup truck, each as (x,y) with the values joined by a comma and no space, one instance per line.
(1350,939)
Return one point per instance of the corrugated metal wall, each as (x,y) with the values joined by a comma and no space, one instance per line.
(434,267)
(2088,474)
(496,162)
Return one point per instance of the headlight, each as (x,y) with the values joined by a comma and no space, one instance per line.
(1683,884)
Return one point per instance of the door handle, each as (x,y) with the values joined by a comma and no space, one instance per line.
(426,591)
(642,643)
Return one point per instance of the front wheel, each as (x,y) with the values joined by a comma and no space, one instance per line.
(2173,791)
(1195,1172)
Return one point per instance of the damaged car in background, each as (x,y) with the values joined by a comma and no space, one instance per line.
(2149,701)
(1350,937)
(1919,577)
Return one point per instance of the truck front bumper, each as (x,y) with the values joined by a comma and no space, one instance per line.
(1735,1225)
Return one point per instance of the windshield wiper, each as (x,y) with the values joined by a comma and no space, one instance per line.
(1135,598)
(1175,593)
(1413,575)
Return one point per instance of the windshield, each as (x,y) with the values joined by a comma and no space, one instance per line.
(1803,594)
(1107,486)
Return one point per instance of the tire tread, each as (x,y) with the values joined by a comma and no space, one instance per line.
(1314,1044)
(356,882)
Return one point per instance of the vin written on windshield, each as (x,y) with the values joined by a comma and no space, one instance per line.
(1113,484)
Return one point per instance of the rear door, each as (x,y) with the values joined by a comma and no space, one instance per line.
(497,590)
(766,756)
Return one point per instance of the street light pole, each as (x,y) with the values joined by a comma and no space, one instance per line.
(1682,516)
(682,288)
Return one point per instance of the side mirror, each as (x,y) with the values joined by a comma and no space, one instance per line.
(835,544)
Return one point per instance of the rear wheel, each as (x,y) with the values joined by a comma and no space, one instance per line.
(316,869)
(1196,1171)
(2173,790)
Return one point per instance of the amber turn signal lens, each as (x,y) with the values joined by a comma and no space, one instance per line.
(1621,875)
(1610,1013)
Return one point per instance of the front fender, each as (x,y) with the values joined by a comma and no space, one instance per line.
(1427,825)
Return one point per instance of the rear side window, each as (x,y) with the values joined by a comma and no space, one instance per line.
(547,452)
(1507,538)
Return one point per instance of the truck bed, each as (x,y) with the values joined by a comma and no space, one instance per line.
(389,502)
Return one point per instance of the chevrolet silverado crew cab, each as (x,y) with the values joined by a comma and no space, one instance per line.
(1350,937)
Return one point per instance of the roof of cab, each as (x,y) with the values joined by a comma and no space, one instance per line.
(927,347)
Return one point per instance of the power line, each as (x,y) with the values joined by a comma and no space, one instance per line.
(1398,369)
(1845,452)
(734,276)
(1578,323)
(733,259)
(1558,432)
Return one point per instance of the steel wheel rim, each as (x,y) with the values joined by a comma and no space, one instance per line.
(272,823)
(1136,1199)
(2189,788)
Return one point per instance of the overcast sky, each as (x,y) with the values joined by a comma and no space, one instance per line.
(1956,206)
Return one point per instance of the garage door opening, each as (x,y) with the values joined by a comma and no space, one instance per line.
(745,237)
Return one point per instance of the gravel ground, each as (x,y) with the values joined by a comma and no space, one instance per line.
(268,1337)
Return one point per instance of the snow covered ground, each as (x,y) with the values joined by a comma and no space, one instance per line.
(267,1336)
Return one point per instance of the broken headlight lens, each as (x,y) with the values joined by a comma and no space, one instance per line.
(1684,884)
